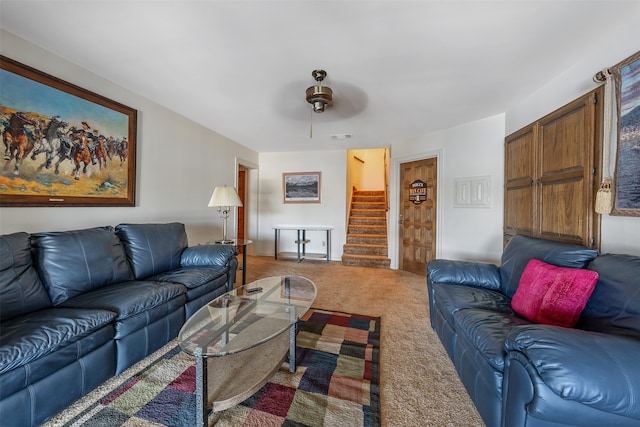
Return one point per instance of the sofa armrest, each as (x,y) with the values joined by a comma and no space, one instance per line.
(205,255)
(470,273)
(594,369)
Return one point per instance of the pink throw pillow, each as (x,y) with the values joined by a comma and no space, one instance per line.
(553,295)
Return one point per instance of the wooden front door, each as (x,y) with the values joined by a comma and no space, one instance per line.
(418,203)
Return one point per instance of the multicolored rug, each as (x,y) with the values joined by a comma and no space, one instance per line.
(336,383)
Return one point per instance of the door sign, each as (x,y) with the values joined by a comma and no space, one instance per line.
(418,192)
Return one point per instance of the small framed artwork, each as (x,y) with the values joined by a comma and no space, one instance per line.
(63,145)
(627,184)
(301,187)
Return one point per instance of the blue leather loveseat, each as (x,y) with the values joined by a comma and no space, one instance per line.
(78,307)
(519,373)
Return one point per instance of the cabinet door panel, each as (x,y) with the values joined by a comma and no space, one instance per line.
(519,156)
(564,141)
(562,211)
(566,161)
(519,175)
(518,208)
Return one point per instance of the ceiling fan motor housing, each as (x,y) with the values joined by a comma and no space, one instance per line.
(319,96)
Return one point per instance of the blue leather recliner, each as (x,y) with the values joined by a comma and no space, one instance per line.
(78,307)
(523,374)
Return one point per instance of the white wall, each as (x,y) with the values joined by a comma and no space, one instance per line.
(371,169)
(473,149)
(178,162)
(463,233)
(331,211)
(618,234)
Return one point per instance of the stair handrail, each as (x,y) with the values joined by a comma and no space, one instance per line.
(353,190)
(386,182)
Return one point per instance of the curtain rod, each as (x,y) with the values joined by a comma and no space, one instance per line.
(600,76)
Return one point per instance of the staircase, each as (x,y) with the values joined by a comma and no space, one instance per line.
(367,231)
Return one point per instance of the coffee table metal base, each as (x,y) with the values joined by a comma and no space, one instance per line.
(242,338)
(223,382)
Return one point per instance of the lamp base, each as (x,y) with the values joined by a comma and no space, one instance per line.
(225,242)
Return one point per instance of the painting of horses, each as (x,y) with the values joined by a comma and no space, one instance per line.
(63,145)
(301,187)
(627,182)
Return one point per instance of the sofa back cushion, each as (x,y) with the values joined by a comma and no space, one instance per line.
(521,249)
(614,306)
(21,291)
(74,262)
(153,248)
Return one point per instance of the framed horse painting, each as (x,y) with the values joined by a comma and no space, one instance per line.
(63,145)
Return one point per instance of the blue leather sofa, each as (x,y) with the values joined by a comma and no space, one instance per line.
(78,307)
(523,374)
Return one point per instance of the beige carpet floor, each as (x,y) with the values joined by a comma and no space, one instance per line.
(419,385)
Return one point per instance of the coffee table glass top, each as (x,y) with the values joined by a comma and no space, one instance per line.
(241,319)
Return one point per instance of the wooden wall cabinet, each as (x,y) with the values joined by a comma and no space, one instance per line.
(552,174)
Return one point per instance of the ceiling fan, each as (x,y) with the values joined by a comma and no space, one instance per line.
(352,101)
(320,97)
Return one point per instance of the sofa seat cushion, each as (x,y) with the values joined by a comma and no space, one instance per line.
(27,338)
(487,332)
(21,290)
(451,298)
(197,280)
(51,364)
(136,303)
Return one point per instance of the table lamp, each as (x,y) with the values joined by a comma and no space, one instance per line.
(224,198)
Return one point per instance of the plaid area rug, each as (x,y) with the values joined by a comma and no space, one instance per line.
(336,383)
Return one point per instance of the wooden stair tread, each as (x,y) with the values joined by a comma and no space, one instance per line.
(366,244)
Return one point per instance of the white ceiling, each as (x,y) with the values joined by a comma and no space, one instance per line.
(398,69)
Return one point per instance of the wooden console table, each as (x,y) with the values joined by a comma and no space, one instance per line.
(301,241)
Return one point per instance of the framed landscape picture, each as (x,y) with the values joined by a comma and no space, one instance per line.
(301,187)
(627,180)
(63,145)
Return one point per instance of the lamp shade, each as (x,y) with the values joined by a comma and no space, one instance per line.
(225,196)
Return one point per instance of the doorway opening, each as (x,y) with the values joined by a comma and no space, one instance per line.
(368,206)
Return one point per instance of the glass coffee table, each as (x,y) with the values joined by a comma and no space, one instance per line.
(242,338)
